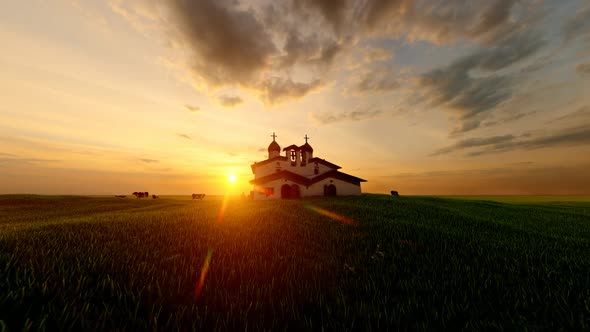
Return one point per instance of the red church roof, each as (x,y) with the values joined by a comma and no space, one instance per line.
(264,162)
(291,147)
(324,162)
(302,180)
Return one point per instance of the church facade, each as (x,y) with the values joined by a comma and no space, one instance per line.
(297,173)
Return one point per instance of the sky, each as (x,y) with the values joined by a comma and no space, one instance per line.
(449,97)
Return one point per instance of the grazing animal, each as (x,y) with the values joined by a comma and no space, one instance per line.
(394,193)
(198,196)
(155,196)
(141,194)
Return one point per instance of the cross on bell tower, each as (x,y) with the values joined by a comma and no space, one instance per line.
(306,138)
(274,136)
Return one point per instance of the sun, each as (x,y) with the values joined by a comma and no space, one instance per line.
(232,178)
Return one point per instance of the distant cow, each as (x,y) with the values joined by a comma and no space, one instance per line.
(141,194)
(198,196)
(155,196)
(394,193)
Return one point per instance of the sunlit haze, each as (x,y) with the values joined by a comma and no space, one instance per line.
(181,97)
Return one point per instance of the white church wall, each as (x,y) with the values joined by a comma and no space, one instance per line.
(265,169)
(342,188)
(306,170)
(276,188)
(322,168)
(317,189)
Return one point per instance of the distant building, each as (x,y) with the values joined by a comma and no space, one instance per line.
(298,173)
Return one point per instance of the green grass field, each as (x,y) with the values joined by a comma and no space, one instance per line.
(547,199)
(355,263)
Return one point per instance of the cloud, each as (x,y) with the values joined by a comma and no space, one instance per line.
(583,68)
(192,108)
(309,50)
(417,20)
(228,44)
(581,113)
(455,89)
(573,136)
(278,90)
(507,119)
(14,160)
(470,87)
(539,64)
(183,136)
(379,80)
(521,163)
(332,11)
(465,126)
(377,54)
(230,101)
(475,142)
(442,22)
(266,47)
(332,117)
(148,161)
(578,25)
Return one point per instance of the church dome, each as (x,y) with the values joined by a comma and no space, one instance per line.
(274,146)
(306,147)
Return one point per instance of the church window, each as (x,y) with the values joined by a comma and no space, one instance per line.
(316,169)
(303,158)
(293,157)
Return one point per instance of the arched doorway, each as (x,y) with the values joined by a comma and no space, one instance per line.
(286,191)
(330,190)
(295,191)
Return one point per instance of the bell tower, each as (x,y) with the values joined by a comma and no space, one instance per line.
(306,151)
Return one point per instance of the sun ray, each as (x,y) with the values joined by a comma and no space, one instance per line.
(331,215)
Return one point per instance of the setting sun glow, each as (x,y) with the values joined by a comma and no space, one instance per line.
(232,178)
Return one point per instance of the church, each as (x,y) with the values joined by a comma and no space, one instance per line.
(298,173)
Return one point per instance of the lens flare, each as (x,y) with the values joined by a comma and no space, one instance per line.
(332,215)
(204,271)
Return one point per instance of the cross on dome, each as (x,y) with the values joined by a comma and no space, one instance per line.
(306,138)
(274,136)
